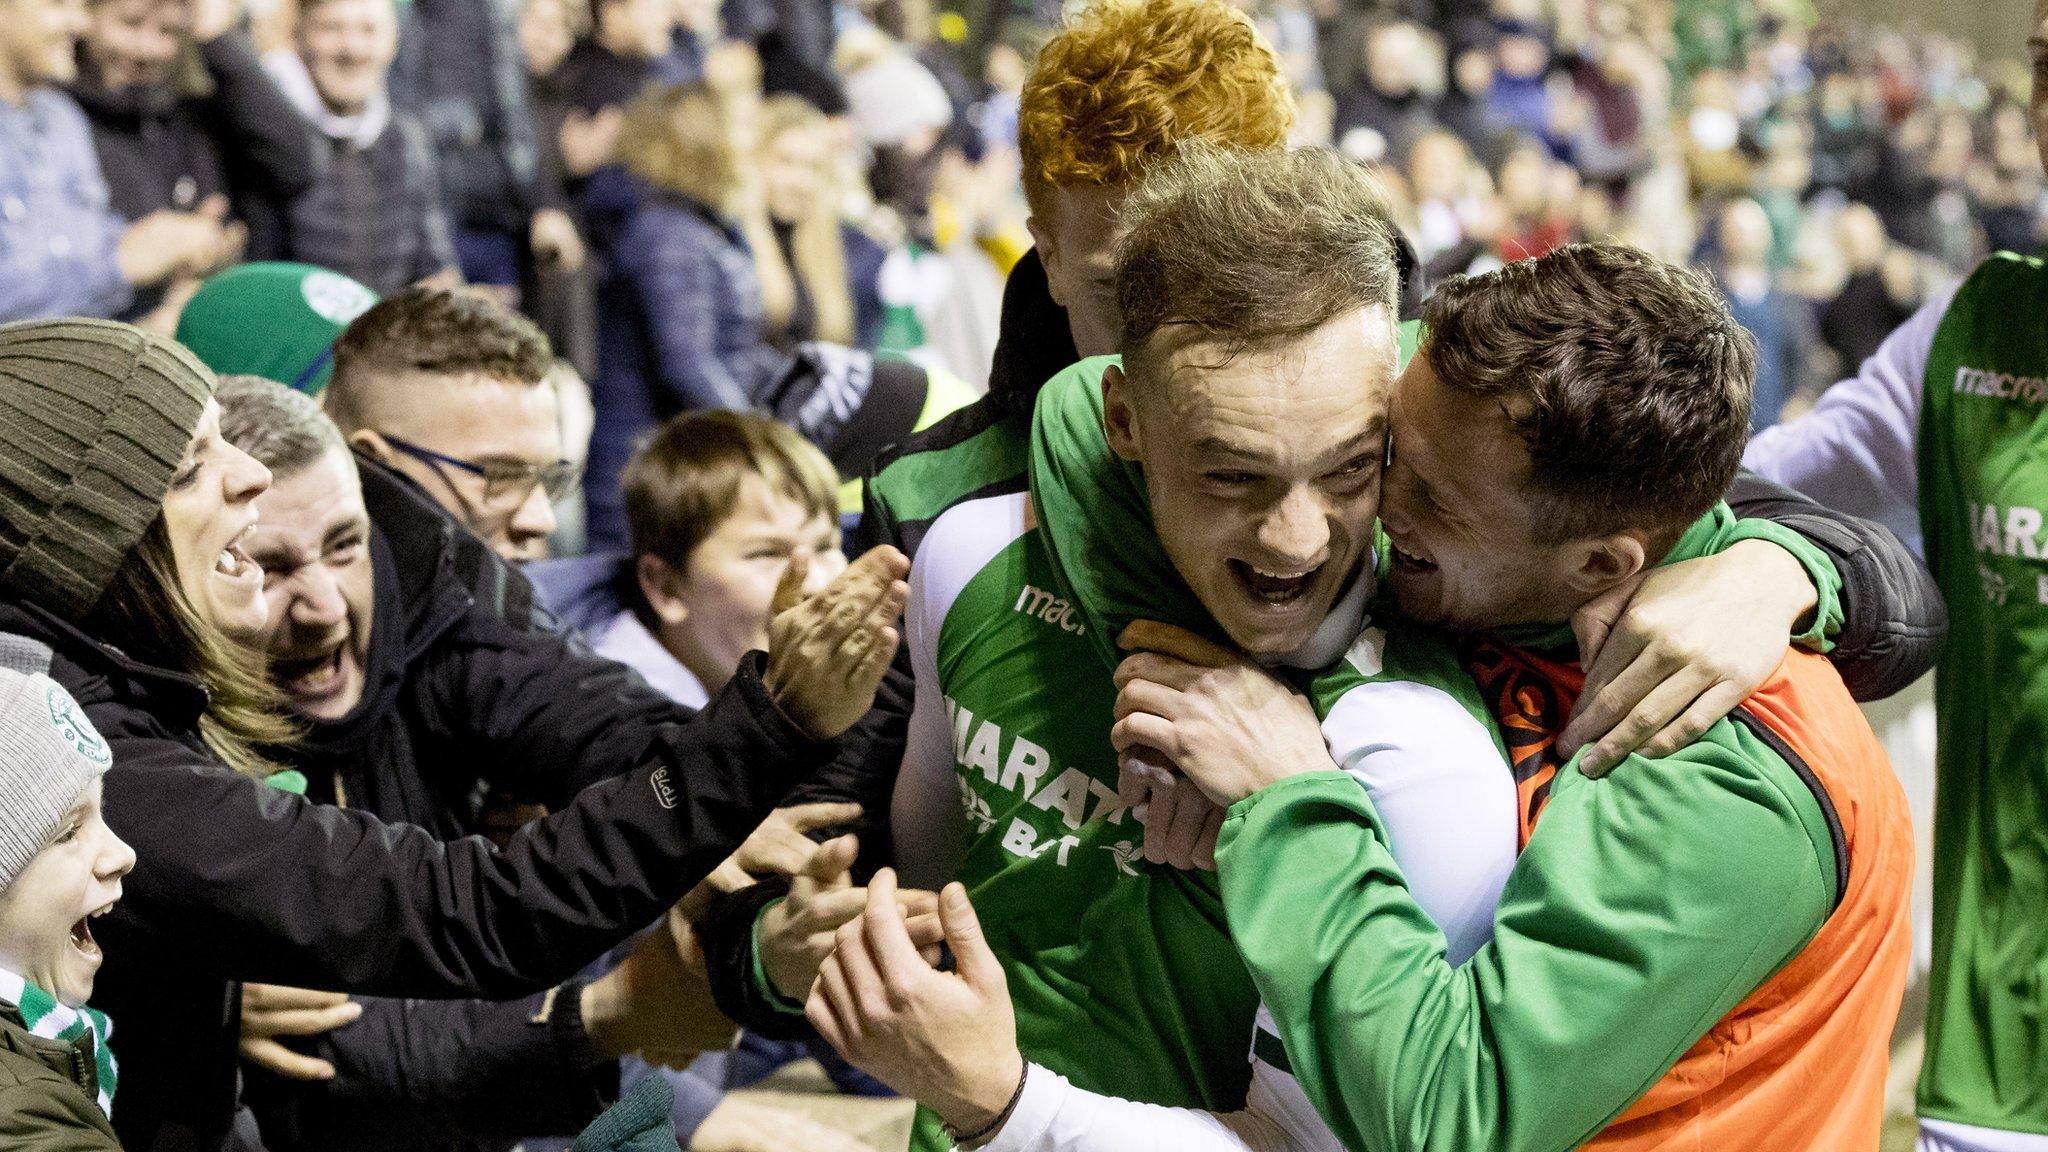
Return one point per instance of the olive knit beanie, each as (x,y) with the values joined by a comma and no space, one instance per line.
(94,419)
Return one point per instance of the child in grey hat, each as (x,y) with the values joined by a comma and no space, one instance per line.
(60,867)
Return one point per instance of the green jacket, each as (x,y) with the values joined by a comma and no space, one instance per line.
(47,1089)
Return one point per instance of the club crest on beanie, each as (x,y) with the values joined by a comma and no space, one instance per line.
(273,319)
(95,417)
(49,755)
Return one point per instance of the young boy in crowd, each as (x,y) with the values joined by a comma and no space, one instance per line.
(60,866)
(718,504)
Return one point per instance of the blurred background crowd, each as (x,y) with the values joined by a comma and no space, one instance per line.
(690,189)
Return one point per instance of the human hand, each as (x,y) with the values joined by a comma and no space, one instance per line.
(945,1039)
(587,139)
(1228,725)
(657,1003)
(555,241)
(212,19)
(1676,648)
(740,1125)
(1181,823)
(797,932)
(827,653)
(780,846)
(270,1011)
(165,244)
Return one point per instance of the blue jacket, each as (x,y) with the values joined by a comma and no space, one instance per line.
(679,327)
(58,232)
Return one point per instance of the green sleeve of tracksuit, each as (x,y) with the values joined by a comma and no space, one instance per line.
(1826,620)
(1647,906)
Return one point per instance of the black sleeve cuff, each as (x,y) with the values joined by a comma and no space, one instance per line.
(726,933)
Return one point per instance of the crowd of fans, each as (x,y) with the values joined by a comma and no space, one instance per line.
(634,293)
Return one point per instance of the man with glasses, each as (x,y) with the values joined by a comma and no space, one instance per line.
(452,391)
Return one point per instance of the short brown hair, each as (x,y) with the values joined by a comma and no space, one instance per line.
(1252,248)
(283,428)
(1126,81)
(1625,377)
(684,483)
(436,331)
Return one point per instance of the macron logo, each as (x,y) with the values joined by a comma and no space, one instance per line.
(2001,385)
(1043,605)
(664,792)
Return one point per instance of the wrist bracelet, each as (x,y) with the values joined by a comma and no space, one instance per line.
(973,1139)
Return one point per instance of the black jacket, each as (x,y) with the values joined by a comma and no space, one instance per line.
(468,691)
(241,881)
(1893,619)
(161,149)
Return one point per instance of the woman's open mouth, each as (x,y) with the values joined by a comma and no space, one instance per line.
(234,563)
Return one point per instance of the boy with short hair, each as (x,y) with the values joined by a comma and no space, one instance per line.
(718,504)
(60,866)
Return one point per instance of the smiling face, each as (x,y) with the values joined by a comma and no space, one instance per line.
(135,43)
(348,46)
(1466,551)
(45,934)
(1263,469)
(39,43)
(210,506)
(313,544)
(715,608)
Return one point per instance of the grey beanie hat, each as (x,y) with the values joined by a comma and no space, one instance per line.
(49,754)
(94,418)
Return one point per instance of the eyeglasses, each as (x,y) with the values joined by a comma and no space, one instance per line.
(508,484)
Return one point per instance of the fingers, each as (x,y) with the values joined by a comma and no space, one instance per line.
(271,996)
(857,965)
(811,817)
(1661,706)
(1170,671)
(895,957)
(285,1062)
(975,962)
(1715,703)
(1160,811)
(831,1008)
(1190,815)
(1205,845)
(1139,771)
(1152,636)
(1595,620)
(831,864)
(1143,728)
(926,932)
(772,849)
(1613,689)
(1147,696)
(790,588)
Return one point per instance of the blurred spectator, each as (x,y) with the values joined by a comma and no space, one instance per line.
(376,213)
(680,315)
(628,41)
(1468,108)
(1878,295)
(163,145)
(1387,99)
(563,300)
(1845,142)
(832,269)
(1521,83)
(63,249)
(1779,321)
(460,71)
(1451,226)
(1539,199)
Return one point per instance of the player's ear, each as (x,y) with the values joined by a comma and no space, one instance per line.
(1119,417)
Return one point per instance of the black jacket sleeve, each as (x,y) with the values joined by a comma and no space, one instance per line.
(414,1072)
(268,146)
(1893,619)
(257,884)
(547,716)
